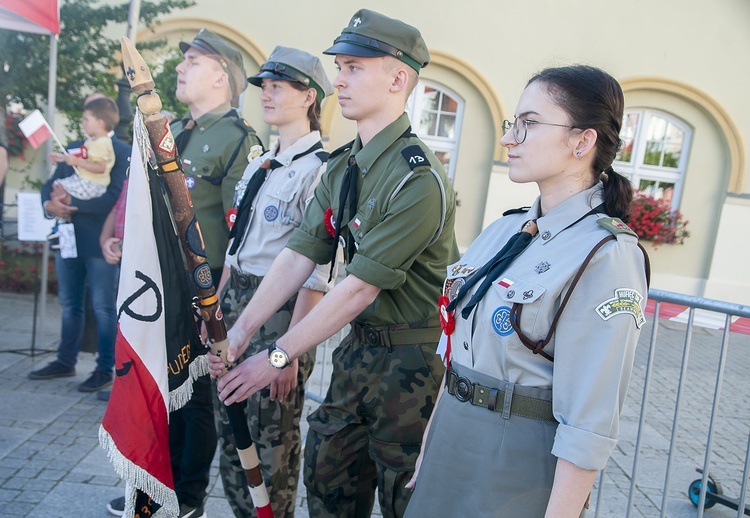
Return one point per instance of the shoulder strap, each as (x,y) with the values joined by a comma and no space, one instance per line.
(519,210)
(515,312)
(415,157)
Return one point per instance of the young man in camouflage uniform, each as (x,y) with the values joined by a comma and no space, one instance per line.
(387,197)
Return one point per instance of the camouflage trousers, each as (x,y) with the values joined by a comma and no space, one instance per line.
(368,432)
(274,426)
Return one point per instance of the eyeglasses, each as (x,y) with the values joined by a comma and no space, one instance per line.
(520,130)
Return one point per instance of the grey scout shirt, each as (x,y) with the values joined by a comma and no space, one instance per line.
(596,335)
(392,233)
(278,209)
(205,158)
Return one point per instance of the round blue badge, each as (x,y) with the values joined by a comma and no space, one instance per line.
(190,182)
(501,321)
(271,213)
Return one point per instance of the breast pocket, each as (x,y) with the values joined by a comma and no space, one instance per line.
(360,226)
(278,205)
(530,298)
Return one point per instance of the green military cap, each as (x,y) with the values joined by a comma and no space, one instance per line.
(227,55)
(294,65)
(370,34)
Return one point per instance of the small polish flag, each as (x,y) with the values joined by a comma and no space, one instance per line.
(356,223)
(35,128)
(505,283)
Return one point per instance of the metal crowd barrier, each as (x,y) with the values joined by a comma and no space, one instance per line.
(643,500)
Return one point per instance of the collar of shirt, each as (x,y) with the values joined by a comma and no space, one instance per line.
(301,145)
(567,212)
(210,118)
(367,155)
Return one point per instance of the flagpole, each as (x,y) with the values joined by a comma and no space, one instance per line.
(51,100)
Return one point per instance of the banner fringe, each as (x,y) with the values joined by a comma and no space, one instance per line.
(182,394)
(138,478)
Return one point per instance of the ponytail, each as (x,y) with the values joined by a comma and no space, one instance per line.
(618,193)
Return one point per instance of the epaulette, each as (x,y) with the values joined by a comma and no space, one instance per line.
(242,123)
(415,157)
(519,210)
(616,226)
(323,156)
(338,151)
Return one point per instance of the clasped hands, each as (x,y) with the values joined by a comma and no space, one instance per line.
(250,375)
(59,203)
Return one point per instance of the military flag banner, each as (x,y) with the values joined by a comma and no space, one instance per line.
(156,347)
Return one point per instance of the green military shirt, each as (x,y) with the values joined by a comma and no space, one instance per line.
(394,233)
(205,158)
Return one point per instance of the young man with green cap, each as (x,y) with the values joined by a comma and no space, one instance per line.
(386,197)
(214,143)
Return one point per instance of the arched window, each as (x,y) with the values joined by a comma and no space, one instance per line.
(436,114)
(654,153)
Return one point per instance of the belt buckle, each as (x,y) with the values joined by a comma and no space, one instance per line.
(463,389)
(371,336)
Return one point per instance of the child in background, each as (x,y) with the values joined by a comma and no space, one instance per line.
(93,160)
(97,155)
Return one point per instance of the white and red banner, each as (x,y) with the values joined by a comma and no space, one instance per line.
(135,427)
(35,16)
(35,128)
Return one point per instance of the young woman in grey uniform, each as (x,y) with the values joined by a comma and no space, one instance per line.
(270,201)
(540,337)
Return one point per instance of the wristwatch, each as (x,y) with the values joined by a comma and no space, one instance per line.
(277,356)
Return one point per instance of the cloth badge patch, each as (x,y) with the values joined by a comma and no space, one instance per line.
(356,223)
(542,267)
(625,301)
(506,283)
(271,213)
(255,152)
(190,182)
(187,161)
(501,321)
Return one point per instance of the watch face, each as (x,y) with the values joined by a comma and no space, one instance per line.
(278,359)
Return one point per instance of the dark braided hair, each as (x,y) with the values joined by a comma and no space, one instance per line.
(593,99)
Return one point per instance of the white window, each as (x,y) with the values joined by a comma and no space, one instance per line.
(654,153)
(436,114)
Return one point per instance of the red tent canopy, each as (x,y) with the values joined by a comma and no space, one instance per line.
(37,16)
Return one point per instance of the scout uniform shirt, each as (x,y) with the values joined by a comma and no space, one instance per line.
(392,233)
(214,139)
(595,338)
(278,209)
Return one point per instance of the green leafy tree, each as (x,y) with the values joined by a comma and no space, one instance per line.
(86,56)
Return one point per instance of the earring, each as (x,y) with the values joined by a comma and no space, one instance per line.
(578,155)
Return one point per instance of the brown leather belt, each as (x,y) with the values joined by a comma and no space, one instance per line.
(398,334)
(494,399)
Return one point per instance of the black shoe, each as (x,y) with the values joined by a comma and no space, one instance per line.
(103,395)
(117,506)
(53,369)
(97,381)
(187,511)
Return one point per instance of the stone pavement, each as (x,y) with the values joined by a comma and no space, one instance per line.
(52,466)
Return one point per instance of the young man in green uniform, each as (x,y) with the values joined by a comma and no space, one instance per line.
(214,143)
(386,196)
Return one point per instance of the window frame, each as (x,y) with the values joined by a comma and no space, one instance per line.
(437,143)
(636,170)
